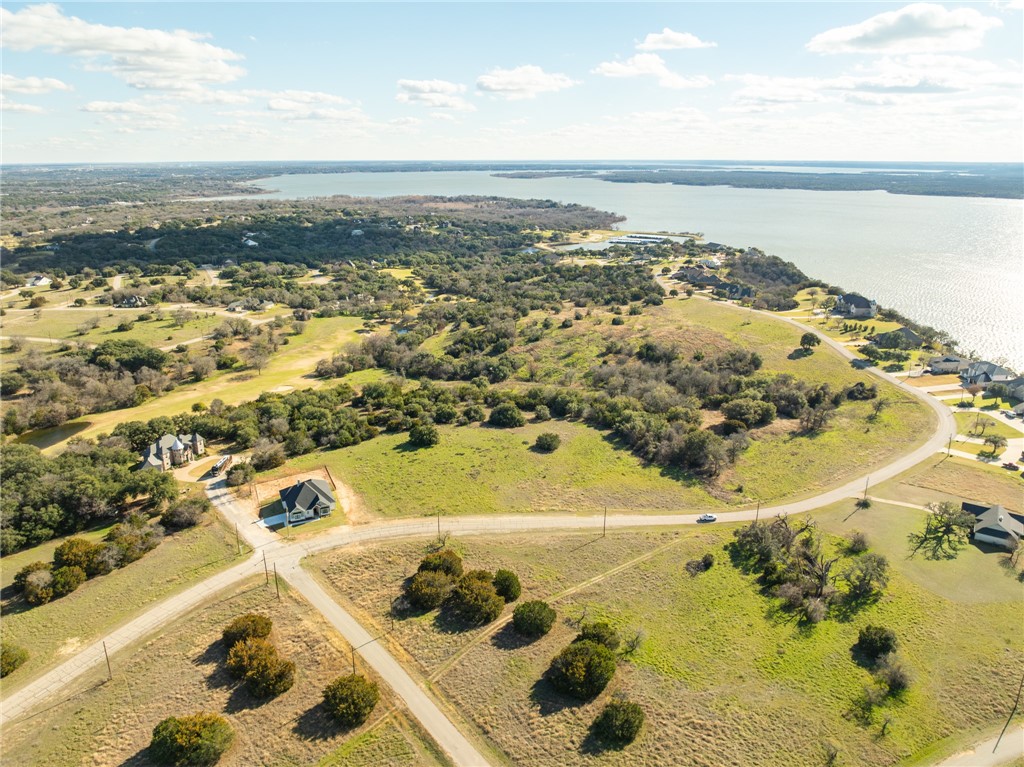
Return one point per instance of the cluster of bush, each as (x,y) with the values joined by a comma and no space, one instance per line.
(254,660)
(12,657)
(876,649)
(77,559)
(793,565)
(46,497)
(196,740)
(351,699)
(475,596)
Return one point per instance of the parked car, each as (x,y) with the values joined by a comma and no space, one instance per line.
(706,518)
(1011,466)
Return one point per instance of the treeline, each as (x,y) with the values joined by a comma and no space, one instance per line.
(88,483)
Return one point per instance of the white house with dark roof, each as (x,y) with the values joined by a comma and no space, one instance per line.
(172,450)
(984,374)
(995,525)
(948,363)
(855,305)
(306,500)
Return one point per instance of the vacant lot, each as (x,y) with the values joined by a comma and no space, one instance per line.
(182,671)
(723,676)
(947,479)
(59,628)
(979,425)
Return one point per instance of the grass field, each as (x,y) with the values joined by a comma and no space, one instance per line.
(289,368)
(968,422)
(948,479)
(722,676)
(182,671)
(57,629)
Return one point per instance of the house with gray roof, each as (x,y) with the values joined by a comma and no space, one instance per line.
(306,500)
(855,305)
(984,374)
(995,525)
(948,363)
(171,451)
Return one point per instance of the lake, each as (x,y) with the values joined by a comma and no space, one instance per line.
(954,263)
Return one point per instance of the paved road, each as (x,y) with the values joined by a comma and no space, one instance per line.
(985,754)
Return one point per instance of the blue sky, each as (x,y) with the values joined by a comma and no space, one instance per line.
(136,82)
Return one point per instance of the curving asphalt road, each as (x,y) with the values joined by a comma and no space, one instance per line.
(421,704)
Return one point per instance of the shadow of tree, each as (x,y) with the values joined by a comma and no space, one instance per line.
(507,638)
(548,700)
(317,724)
(139,759)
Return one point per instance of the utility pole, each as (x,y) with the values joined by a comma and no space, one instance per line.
(238,543)
(757,514)
(353,660)
(1012,712)
(438,530)
(866,481)
(110,674)
(277,583)
(604,530)
(949,447)
(266,571)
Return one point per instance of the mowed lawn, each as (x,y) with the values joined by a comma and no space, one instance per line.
(972,424)
(723,676)
(58,629)
(182,671)
(482,470)
(954,479)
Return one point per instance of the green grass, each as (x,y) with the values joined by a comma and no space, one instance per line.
(12,563)
(975,448)
(954,479)
(482,470)
(966,423)
(158,333)
(390,743)
(57,629)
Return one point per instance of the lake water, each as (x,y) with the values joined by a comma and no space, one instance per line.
(954,263)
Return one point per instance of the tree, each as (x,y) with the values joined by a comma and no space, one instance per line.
(808,341)
(891,672)
(38,588)
(186,512)
(424,434)
(267,454)
(198,739)
(996,441)
(257,355)
(548,442)
(446,561)
(427,589)
(583,669)
(619,722)
(248,626)
(257,663)
(506,583)
(11,383)
(506,415)
(75,552)
(946,530)
(475,599)
(202,367)
(351,699)
(600,632)
(867,576)
(533,619)
(11,657)
(21,577)
(67,579)
(875,641)
(241,473)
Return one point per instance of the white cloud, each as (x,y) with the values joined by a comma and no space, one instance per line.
(15,106)
(31,85)
(133,116)
(1008,5)
(298,97)
(667,40)
(650,64)
(917,28)
(437,94)
(523,82)
(115,107)
(143,58)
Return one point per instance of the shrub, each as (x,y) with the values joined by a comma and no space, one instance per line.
(248,626)
(533,619)
(424,434)
(619,723)
(38,588)
(600,632)
(857,543)
(249,653)
(708,561)
(22,575)
(583,669)
(548,442)
(74,552)
(186,512)
(427,589)
(67,579)
(198,739)
(506,583)
(542,413)
(267,454)
(240,474)
(475,598)
(875,641)
(890,671)
(446,561)
(506,415)
(474,413)
(733,427)
(11,657)
(351,699)
(265,673)
(618,321)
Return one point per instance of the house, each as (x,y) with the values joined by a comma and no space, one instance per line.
(236,306)
(38,281)
(995,525)
(250,243)
(306,500)
(170,451)
(133,302)
(900,338)
(699,278)
(357,233)
(1016,387)
(984,374)
(739,292)
(854,305)
(948,364)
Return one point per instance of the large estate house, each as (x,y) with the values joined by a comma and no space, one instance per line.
(855,305)
(984,374)
(171,451)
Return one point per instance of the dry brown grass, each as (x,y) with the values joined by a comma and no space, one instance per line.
(182,671)
(955,478)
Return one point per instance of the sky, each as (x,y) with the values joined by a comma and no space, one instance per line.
(231,81)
